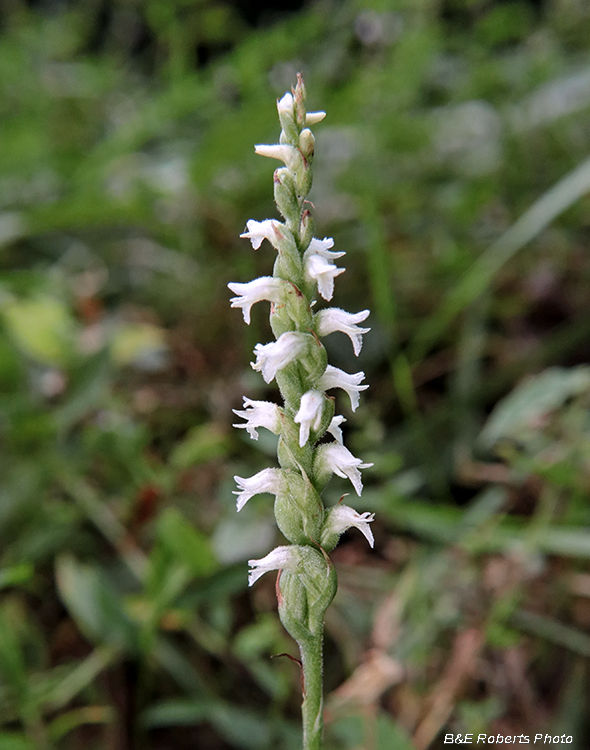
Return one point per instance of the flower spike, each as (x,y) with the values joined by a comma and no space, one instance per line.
(305,270)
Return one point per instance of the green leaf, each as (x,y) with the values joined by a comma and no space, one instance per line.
(42,327)
(94,605)
(14,741)
(16,575)
(522,409)
(187,544)
(202,443)
(242,728)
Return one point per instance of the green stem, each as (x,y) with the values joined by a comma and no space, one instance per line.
(313,695)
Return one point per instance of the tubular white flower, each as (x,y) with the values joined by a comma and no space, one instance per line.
(259,414)
(267,480)
(318,268)
(264,288)
(341,517)
(309,415)
(289,155)
(322,247)
(334,427)
(286,104)
(280,558)
(270,358)
(334,377)
(334,319)
(312,118)
(261,230)
(339,460)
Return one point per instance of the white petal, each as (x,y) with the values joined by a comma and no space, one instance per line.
(322,247)
(341,518)
(267,480)
(264,288)
(291,156)
(334,319)
(334,428)
(338,459)
(317,268)
(270,358)
(309,415)
(312,118)
(280,558)
(334,377)
(286,104)
(259,414)
(257,231)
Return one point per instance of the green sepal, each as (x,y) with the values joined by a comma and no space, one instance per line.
(315,362)
(290,131)
(298,510)
(321,475)
(303,177)
(306,230)
(286,197)
(291,385)
(288,265)
(305,595)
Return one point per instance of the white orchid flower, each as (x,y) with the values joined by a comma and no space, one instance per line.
(280,558)
(263,288)
(267,480)
(341,517)
(309,415)
(259,414)
(270,358)
(257,231)
(334,319)
(334,377)
(337,459)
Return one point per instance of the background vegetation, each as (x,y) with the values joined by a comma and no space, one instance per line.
(453,170)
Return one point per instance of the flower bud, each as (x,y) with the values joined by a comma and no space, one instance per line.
(286,108)
(306,144)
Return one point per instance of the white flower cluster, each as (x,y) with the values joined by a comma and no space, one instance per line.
(292,354)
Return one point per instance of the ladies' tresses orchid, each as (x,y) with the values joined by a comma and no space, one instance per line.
(334,458)
(261,230)
(309,415)
(333,319)
(317,268)
(305,267)
(267,480)
(334,377)
(334,428)
(270,358)
(281,558)
(341,518)
(259,414)
(264,288)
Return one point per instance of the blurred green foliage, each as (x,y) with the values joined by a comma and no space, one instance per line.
(453,169)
